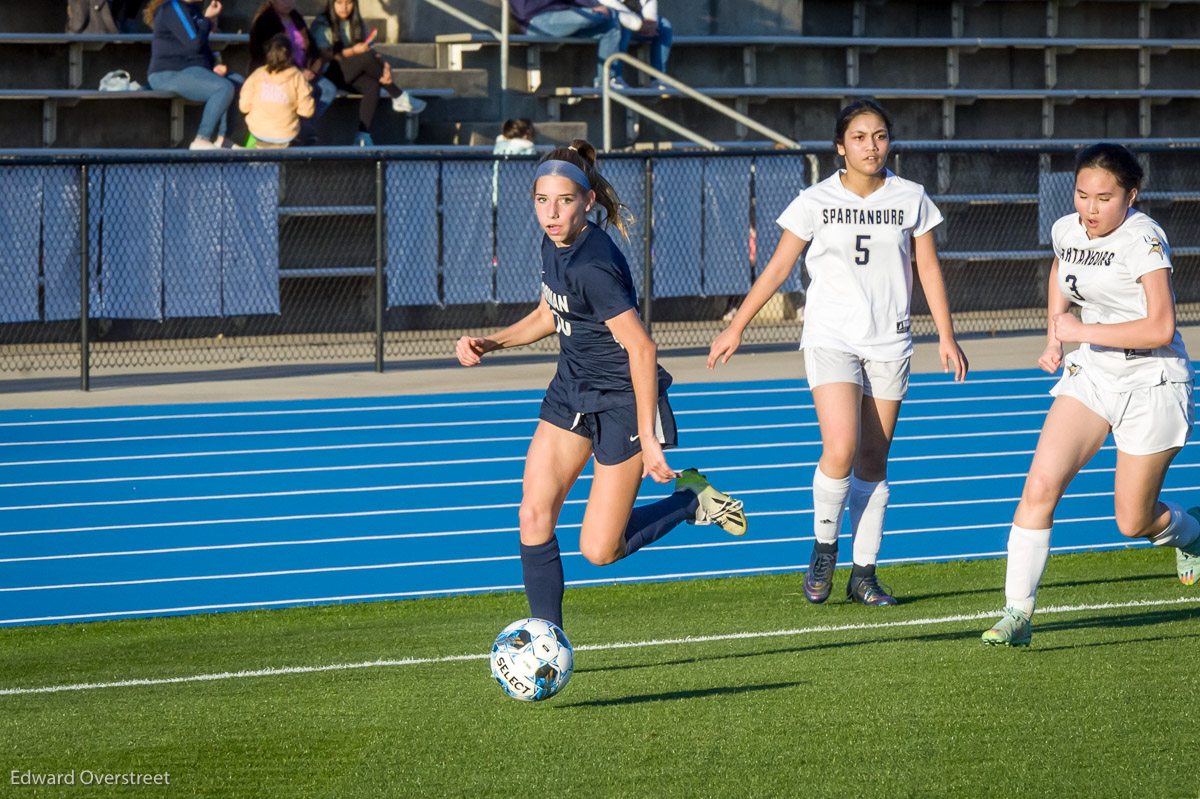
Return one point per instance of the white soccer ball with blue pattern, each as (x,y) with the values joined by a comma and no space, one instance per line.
(532,659)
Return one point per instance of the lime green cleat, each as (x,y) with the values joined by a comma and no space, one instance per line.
(1011,630)
(715,507)
(1187,559)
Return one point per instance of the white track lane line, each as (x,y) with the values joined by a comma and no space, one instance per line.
(914,383)
(685,641)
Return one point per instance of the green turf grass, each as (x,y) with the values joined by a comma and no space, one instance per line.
(1102,705)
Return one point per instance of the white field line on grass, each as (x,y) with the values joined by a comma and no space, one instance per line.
(468,423)
(914,383)
(684,641)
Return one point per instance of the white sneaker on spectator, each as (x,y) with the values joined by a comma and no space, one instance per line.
(226,144)
(407,104)
(363,140)
(630,20)
(202,144)
(618,83)
(660,86)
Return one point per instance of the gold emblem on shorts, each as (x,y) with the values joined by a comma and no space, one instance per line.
(1072,369)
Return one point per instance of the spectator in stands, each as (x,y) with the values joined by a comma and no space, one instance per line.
(182,63)
(276,96)
(584,19)
(280,16)
(641,18)
(125,14)
(516,138)
(90,16)
(351,64)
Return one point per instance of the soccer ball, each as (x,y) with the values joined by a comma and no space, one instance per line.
(532,659)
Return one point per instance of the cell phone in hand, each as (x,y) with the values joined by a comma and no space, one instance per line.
(371,36)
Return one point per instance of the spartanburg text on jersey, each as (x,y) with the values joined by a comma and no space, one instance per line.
(586,284)
(860,263)
(1102,276)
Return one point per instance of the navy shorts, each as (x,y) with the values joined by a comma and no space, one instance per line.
(614,432)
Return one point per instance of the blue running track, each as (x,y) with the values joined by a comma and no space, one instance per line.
(140,511)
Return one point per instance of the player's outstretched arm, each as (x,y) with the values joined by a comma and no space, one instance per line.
(1056,304)
(643,371)
(949,353)
(537,325)
(787,253)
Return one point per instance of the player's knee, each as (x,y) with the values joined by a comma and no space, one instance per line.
(1135,524)
(599,553)
(838,457)
(1040,492)
(533,518)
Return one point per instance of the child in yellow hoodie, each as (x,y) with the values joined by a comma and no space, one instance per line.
(275,96)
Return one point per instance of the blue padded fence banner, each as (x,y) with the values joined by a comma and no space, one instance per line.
(250,239)
(678,189)
(777,181)
(467,232)
(628,179)
(518,234)
(60,240)
(192,241)
(20,212)
(131,242)
(727,267)
(411,235)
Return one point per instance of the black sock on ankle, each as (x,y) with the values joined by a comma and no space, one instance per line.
(649,523)
(825,549)
(862,571)
(541,568)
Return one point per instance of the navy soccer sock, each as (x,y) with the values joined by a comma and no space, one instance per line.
(649,523)
(541,569)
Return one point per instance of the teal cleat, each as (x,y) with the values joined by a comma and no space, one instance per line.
(1011,630)
(1187,559)
(715,507)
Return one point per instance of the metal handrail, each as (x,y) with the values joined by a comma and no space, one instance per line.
(501,35)
(609,95)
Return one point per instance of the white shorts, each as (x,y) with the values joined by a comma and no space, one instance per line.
(885,380)
(1143,421)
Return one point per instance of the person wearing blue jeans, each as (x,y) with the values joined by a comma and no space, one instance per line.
(181,62)
(645,26)
(583,19)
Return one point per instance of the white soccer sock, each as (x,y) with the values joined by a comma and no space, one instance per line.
(868,504)
(1028,551)
(1181,531)
(829,501)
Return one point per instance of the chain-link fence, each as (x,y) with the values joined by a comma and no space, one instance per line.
(246,259)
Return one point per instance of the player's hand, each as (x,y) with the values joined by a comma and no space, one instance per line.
(360,48)
(221,69)
(470,350)
(654,462)
(213,10)
(1067,328)
(1051,358)
(724,346)
(950,354)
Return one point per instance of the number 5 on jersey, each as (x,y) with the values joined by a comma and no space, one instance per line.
(860,247)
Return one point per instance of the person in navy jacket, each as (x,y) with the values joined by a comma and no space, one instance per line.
(181,62)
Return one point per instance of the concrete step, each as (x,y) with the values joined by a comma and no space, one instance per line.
(409,54)
(466,83)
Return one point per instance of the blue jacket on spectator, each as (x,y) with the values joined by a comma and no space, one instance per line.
(180,38)
(525,10)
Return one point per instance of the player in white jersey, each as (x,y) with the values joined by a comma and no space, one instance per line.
(862,227)
(1131,375)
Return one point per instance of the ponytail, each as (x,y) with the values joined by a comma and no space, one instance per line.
(583,155)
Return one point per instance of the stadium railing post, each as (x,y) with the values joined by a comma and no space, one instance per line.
(379,265)
(83,277)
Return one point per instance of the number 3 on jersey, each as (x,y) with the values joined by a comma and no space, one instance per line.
(1072,280)
(860,247)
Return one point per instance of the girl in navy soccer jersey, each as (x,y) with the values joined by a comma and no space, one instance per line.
(863,227)
(1130,376)
(607,397)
